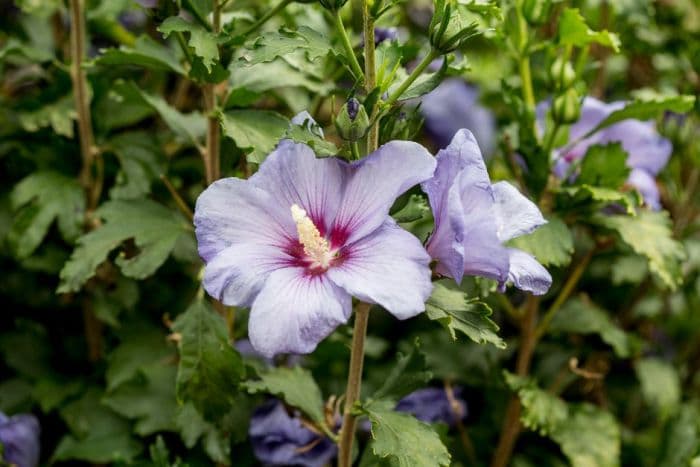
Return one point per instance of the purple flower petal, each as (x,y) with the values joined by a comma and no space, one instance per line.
(646,149)
(375,183)
(527,274)
(645,184)
(515,214)
(19,436)
(293,175)
(432,405)
(295,310)
(388,267)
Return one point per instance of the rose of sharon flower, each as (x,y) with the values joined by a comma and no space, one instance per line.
(19,437)
(433,405)
(648,152)
(302,235)
(473,218)
(279,438)
(454,105)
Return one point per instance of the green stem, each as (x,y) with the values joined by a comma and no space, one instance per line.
(427,60)
(264,18)
(551,138)
(370,74)
(355,148)
(345,40)
(183,45)
(352,393)
(212,164)
(524,65)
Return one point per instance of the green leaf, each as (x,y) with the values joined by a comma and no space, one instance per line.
(541,411)
(604,166)
(138,156)
(99,435)
(629,269)
(122,106)
(408,374)
(580,316)
(255,131)
(154,229)
(15,395)
(188,127)
(146,53)
(581,195)
(387,63)
(648,109)
(271,45)
(661,385)
(51,393)
(58,115)
(573,30)
(193,428)
(150,399)
(406,441)
(681,438)
(552,244)
(649,234)
(423,85)
(204,43)
(38,200)
(415,209)
(457,313)
(140,347)
(296,386)
(210,369)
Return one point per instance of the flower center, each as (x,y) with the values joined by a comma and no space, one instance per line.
(315,246)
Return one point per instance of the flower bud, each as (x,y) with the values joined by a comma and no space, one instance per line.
(332,5)
(449,28)
(352,122)
(536,11)
(562,73)
(567,107)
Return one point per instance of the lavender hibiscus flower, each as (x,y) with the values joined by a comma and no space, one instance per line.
(302,235)
(454,105)
(473,218)
(648,152)
(19,440)
(433,405)
(279,438)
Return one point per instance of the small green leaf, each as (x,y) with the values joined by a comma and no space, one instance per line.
(406,441)
(38,200)
(582,195)
(604,166)
(301,134)
(661,385)
(271,45)
(542,412)
(424,84)
(139,348)
(189,127)
(58,115)
(408,374)
(573,30)
(415,209)
(681,438)
(138,156)
(456,312)
(210,369)
(204,43)
(254,131)
(146,53)
(648,109)
(154,229)
(552,244)
(296,386)
(649,234)
(583,317)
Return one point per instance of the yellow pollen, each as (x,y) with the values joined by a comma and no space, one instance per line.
(315,246)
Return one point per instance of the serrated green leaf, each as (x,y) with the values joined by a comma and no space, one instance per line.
(122,106)
(597,196)
(408,374)
(423,85)
(139,348)
(661,385)
(204,43)
(296,386)
(138,156)
(415,209)
(648,109)
(154,229)
(254,131)
(146,53)
(457,313)
(51,393)
(58,115)
(583,317)
(301,134)
(541,411)
(38,200)
(552,244)
(573,30)
(681,438)
(271,45)
(189,127)
(193,428)
(402,438)
(649,234)
(604,166)
(210,369)
(629,269)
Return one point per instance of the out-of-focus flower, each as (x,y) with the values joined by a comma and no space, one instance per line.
(19,437)
(301,236)
(279,438)
(454,105)
(648,152)
(435,405)
(473,218)
(385,34)
(148,3)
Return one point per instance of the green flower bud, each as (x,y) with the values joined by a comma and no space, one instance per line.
(449,27)
(352,122)
(536,11)
(562,73)
(567,107)
(332,5)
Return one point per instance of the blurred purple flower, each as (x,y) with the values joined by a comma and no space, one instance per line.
(473,218)
(133,20)
(148,3)
(454,105)
(648,152)
(385,34)
(281,439)
(19,437)
(433,405)
(301,236)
